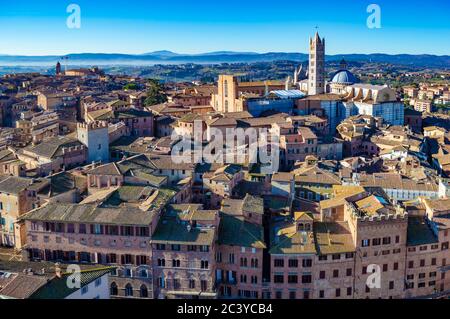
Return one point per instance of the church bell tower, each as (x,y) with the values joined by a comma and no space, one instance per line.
(58,68)
(316,73)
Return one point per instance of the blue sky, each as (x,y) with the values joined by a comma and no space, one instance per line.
(30,27)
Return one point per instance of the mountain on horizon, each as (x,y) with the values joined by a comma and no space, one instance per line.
(169,57)
(165,53)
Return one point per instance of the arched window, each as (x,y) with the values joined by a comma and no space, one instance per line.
(204,264)
(161,282)
(113,289)
(128,290)
(144,273)
(226,106)
(176,263)
(144,291)
(225,88)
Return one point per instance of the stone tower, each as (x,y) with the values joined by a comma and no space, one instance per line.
(227,93)
(58,68)
(96,138)
(316,73)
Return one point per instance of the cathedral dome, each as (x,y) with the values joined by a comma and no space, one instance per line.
(344,77)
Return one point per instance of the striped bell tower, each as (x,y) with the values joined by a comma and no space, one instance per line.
(316,72)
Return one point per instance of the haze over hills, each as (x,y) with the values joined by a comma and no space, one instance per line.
(168,57)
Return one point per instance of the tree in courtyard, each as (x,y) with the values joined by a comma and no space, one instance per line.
(130,87)
(155,93)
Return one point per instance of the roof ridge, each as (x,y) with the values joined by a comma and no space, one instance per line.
(54,151)
(91,270)
(288,236)
(117,168)
(248,231)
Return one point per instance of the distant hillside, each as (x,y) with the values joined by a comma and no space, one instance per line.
(167,57)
